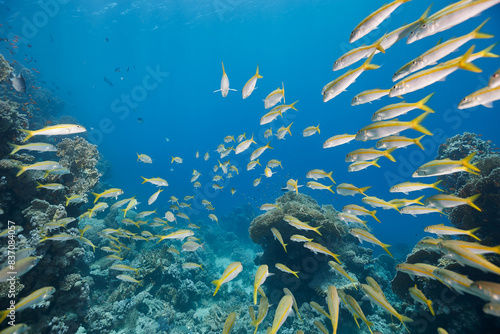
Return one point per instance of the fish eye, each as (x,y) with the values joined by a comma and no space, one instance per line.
(414,63)
(424,25)
(495,75)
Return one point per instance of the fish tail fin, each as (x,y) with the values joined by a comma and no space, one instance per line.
(378,44)
(421,104)
(362,190)
(268,145)
(67,200)
(283,88)
(28,133)
(96,196)
(471,233)
(217,282)
(463,64)
(295,273)
(418,143)
(429,305)
(3,315)
(415,124)
(145,180)
(386,248)
(15,148)
(284,247)
(367,64)
(39,185)
(223,71)
(487,54)
(388,154)
(466,162)
(372,213)
(138,153)
(375,163)
(330,188)
(255,296)
(317,128)
(22,169)
(477,34)
(330,177)
(405,319)
(257,75)
(435,185)
(46,174)
(496,249)
(417,200)
(470,201)
(172,160)
(292,106)
(317,228)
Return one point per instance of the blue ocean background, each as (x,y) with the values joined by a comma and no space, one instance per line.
(294,42)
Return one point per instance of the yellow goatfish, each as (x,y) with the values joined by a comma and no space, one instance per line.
(42,165)
(321,327)
(319,309)
(178,235)
(229,274)
(277,235)
(427,77)
(399,142)
(300,225)
(228,325)
(347,189)
(260,277)
(295,305)
(466,257)
(447,166)
(262,313)
(402,108)
(368,96)
(379,203)
(380,300)
(319,174)
(340,84)
(274,97)
(32,299)
(250,85)
(441,229)
(285,269)
(224,84)
(374,19)
(332,299)
(113,192)
(383,129)
(358,210)
(54,130)
(419,297)
(317,248)
(417,269)
(338,140)
(363,235)
(365,154)
(407,187)
(282,312)
(338,268)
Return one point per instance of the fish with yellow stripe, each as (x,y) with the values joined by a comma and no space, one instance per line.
(228,275)
(54,130)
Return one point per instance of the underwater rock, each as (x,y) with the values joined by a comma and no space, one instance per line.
(5,69)
(81,158)
(41,212)
(467,184)
(314,271)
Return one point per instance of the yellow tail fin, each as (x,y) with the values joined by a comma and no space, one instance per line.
(217,282)
(487,54)
(16,148)
(418,143)
(463,64)
(429,304)
(477,34)
(386,248)
(257,75)
(388,154)
(367,66)
(375,163)
(421,104)
(28,133)
(96,197)
(22,169)
(466,162)
(415,124)
(292,106)
(330,177)
(362,190)
(471,200)
(434,185)
(372,213)
(471,233)
(417,200)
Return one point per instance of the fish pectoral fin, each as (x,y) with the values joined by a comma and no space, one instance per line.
(488,105)
(218,90)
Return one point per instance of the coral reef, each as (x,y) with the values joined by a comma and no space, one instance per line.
(5,69)
(467,184)
(81,158)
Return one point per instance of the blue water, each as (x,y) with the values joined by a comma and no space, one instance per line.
(77,44)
